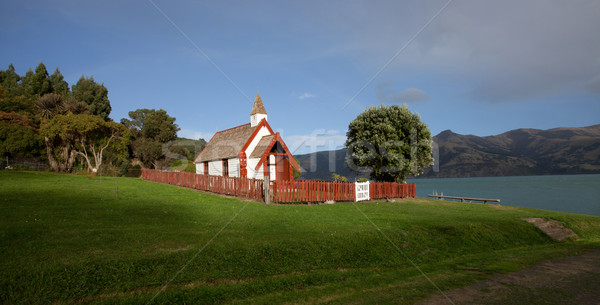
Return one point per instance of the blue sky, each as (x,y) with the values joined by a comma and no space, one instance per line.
(474,67)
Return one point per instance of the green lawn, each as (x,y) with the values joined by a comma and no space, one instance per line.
(73,239)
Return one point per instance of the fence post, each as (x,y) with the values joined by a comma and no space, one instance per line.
(267,191)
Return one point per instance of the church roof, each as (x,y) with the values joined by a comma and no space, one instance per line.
(261,146)
(226,144)
(258,106)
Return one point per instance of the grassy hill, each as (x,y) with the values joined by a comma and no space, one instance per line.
(514,153)
(73,239)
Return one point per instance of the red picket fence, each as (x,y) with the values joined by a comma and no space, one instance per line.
(379,190)
(311,191)
(233,186)
(281,191)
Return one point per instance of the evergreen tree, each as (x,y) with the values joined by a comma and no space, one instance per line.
(9,80)
(37,84)
(94,95)
(391,141)
(58,83)
(151,130)
(12,93)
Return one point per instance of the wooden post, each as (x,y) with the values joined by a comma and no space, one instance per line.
(266,188)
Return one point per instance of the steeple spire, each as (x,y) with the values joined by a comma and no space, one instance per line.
(258,106)
(258,111)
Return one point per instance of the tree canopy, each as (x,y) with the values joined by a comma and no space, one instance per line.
(21,93)
(390,141)
(18,136)
(40,110)
(151,129)
(94,95)
(87,136)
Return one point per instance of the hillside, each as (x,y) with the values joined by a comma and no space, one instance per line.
(514,153)
(318,165)
(71,239)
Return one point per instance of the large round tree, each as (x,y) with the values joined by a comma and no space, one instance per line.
(390,141)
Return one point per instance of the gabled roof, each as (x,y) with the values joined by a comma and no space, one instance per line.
(226,144)
(258,106)
(261,146)
(276,138)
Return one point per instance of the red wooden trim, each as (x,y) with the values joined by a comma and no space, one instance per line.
(262,123)
(277,138)
(265,154)
(266,170)
(225,170)
(287,151)
(243,164)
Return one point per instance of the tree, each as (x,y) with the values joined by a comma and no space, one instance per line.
(151,129)
(87,136)
(9,79)
(390,141)
(12,98)
(94,95)
(49,105)
(41,97)
(14,103)
(59,85)
(37,84)
(181,153)
(18,136)
(338,178)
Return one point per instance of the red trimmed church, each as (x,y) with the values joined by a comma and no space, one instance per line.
(251,150)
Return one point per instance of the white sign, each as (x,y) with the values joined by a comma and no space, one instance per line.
(362,191)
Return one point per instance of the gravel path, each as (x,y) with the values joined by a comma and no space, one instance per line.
(570,280)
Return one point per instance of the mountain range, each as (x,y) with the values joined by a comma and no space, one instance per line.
(517,152)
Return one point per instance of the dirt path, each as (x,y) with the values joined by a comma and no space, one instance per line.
(570,280)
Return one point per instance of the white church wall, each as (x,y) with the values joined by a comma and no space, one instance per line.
(234,167)
(264,131)
(254,174)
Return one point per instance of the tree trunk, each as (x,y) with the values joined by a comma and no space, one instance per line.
(68,159)
(50,152)
(71,160)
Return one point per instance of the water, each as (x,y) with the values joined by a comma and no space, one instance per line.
(565,193)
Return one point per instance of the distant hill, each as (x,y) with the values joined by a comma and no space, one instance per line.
(320,165)
(515,153)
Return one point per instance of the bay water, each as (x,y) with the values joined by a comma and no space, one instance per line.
(566,193)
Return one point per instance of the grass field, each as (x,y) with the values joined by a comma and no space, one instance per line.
(68,239)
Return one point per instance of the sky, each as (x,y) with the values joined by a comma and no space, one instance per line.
(474,67)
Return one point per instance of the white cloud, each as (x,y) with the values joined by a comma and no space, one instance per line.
(195,135)
(318,140)
(386,93)
(306,95)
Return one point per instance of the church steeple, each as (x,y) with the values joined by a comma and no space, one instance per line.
(258,111)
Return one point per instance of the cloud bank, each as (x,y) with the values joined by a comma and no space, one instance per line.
(386,93)
(502,51)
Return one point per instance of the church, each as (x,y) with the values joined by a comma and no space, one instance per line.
(251,150)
